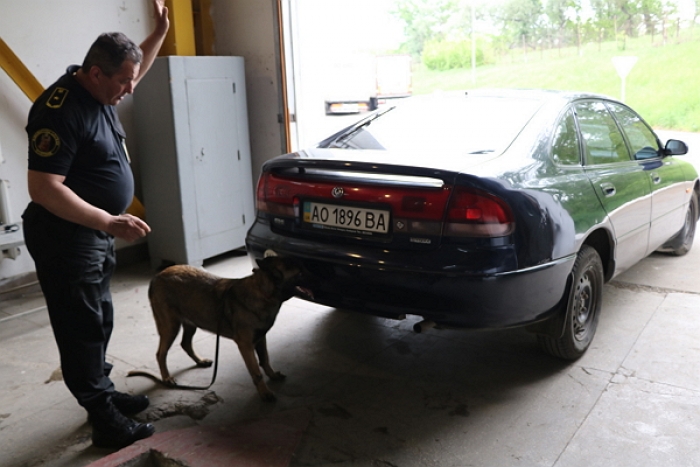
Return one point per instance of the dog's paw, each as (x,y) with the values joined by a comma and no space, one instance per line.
(170,382)
(277,376)
(204,363)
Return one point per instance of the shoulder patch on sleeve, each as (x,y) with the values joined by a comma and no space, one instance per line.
(45,142)
(57,98)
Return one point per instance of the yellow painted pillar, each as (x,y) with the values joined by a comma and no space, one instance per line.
(180,38)
(203,27)
(19,73)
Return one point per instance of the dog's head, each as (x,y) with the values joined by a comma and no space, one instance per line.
(288,275)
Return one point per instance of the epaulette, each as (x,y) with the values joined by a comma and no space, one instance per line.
(57,98)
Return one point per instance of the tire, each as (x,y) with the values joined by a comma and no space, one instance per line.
(683,242)
(583,309)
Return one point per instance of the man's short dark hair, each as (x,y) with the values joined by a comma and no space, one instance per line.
(109,51)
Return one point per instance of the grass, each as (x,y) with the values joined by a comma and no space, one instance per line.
(663,86)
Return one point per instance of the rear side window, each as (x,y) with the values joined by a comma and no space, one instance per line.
(565,144)
(602,141)
(642,140)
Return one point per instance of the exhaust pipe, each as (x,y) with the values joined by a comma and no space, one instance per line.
(423,326)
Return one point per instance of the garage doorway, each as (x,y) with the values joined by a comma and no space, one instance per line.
(326,47)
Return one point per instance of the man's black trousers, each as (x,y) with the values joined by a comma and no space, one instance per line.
(74,265)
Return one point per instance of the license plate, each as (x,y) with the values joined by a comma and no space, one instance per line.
(349,219)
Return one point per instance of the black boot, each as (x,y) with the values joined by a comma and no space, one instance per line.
(128,404)
(111,429)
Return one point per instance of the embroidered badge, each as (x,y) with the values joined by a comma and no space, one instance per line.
(57,98)
(45,142)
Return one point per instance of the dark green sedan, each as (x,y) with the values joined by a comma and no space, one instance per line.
(484,209)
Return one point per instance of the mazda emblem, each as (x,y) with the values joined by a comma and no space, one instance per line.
(338,192)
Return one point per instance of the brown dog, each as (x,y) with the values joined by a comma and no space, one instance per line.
(240,309)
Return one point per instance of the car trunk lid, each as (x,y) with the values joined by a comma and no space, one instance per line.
(406,207)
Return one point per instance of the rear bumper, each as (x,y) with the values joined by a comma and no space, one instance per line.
(450,296)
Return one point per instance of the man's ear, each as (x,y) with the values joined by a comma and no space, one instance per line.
(94,73)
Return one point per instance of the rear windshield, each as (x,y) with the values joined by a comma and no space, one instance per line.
(455,124)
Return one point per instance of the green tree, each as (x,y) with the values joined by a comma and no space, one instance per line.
(607,18)
(520,21)
(424,20)
(528,24)
(629,15)
(558,16)
(651,11)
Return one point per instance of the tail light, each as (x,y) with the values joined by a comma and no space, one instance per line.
(473,213)
(274,196)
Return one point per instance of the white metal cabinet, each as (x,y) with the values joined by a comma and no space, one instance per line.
(194,154)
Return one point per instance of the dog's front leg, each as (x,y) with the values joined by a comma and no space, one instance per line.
(264,358)
(245,346)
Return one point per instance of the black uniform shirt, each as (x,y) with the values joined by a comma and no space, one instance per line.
(72,134)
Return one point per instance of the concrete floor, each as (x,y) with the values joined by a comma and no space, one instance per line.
(378,394)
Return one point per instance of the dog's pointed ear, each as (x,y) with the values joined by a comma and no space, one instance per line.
(265,263)
(269,265)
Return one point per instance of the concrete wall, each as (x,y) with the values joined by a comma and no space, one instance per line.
(49,35)
(248,28)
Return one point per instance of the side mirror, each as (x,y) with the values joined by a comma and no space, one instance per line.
(675,147)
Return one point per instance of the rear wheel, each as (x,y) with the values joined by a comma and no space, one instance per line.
(681,243)
(583,308)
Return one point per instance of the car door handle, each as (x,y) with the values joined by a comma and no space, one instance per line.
(608,189)
(655,178)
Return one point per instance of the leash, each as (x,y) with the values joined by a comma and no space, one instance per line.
(186,386)
(183,386)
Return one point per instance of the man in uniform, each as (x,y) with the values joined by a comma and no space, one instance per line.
(80,184)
